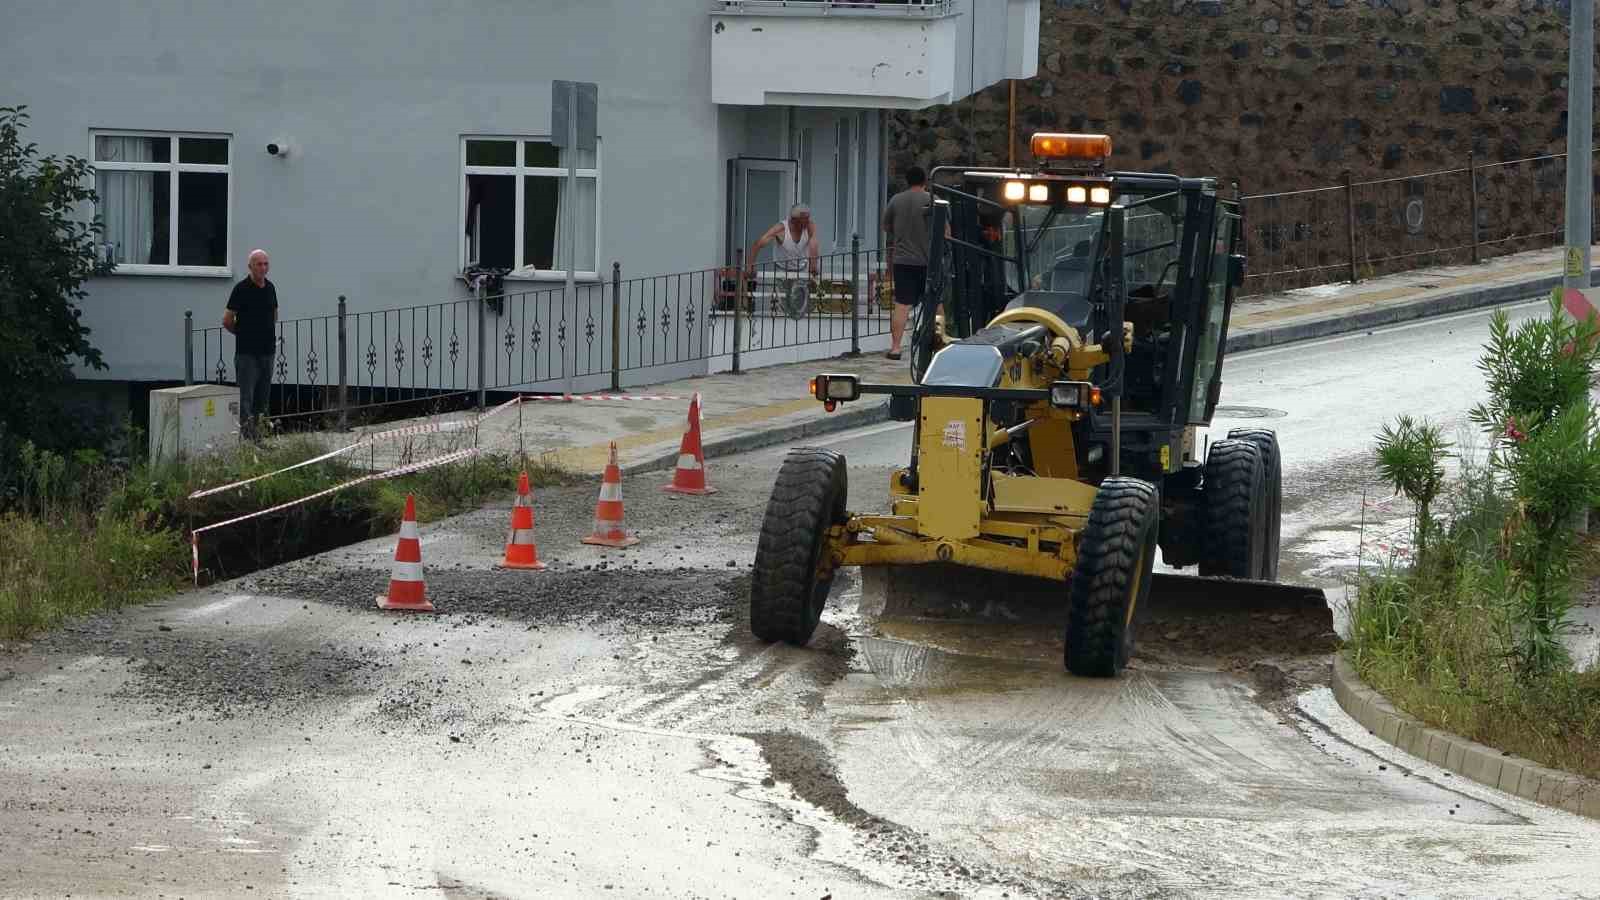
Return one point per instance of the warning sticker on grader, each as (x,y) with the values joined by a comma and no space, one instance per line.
(955,434)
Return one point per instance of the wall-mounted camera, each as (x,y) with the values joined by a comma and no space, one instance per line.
(279,148)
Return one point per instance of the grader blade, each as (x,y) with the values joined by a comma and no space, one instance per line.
(1185,613)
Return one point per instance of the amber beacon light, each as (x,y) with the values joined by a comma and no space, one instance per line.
(1071,146)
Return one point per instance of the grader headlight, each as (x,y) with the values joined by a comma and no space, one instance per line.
(836,388)
(1074,395)
(1016,191)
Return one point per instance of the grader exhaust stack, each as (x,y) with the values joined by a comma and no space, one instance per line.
(1068,351)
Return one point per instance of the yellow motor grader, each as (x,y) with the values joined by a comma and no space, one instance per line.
(1069,348)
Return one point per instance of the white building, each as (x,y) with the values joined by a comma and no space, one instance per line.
(413,136)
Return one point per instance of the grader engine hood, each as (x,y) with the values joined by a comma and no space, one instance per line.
(979,360)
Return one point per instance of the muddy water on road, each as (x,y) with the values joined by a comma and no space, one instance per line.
(1170,781)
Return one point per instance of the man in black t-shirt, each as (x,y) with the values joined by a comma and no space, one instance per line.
(252,316)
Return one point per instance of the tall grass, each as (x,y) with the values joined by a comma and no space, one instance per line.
(1445,638)
(84,536)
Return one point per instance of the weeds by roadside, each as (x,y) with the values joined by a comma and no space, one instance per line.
(84,536)
(1469,636)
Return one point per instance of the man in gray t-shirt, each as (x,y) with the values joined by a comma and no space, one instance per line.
(905,223)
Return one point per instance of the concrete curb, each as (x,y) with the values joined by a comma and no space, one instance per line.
(1442,304)
(857,417)
(1485,765)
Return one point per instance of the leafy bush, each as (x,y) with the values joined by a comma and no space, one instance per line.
(1411,458)
(47,252)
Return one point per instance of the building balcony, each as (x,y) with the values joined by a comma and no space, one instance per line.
(880,55)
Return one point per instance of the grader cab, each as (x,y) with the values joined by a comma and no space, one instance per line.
(1068,352)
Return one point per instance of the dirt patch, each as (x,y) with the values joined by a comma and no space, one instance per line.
(225,675)
(633,599)
(807,767)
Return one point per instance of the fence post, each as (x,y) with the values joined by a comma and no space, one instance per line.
(616,326)
(1350,222)
(483,352)
(855,295)
(344,383)
(738,303)
(188,347)
(1472,179)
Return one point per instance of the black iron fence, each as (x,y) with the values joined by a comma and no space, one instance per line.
(1364,229)
(735,317)
(542,339)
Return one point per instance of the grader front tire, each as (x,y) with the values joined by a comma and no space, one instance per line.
(1112,578)
(788,589)
(1272,459)
(1236,510)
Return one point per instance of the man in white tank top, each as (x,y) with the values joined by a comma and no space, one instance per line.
(794,243)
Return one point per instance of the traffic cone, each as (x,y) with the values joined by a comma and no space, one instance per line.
(521,552)
(406,590)
(690,475)
(608,530)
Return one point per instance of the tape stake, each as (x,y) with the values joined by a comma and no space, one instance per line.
(194,555)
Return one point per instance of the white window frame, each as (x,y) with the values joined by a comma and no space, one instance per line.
(520,171)
(173,168)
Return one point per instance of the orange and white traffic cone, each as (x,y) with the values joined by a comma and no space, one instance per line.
(608,530)
(521,552)
(690,475)
(406,590)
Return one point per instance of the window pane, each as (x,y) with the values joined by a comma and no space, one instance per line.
(109,148)
(135,209)
(543,211)
(808,162)
(1211,329)
(540,154)
(842,177)
(211,151)
(492,220)
(491,153)
(545,155)
(202,219)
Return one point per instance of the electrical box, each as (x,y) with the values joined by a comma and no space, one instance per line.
(193,420)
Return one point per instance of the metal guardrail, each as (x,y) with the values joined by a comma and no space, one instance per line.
(1365,229)
(516,340)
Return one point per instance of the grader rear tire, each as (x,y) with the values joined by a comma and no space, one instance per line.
(787,592)
(1112,578)
(1267,442)
(1236,509)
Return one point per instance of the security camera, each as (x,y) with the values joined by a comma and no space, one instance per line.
(274,149)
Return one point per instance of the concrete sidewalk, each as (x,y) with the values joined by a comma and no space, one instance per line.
(768,406)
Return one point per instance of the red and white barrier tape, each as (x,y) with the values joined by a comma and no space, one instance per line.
(392,473)
(407,431)
(568,398)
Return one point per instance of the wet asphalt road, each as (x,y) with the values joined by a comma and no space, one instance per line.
(609,728)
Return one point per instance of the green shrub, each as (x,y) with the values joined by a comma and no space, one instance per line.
(1411,458)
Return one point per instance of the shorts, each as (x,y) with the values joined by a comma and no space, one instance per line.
(908,284)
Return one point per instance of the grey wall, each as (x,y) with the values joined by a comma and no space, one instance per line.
(376,96)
